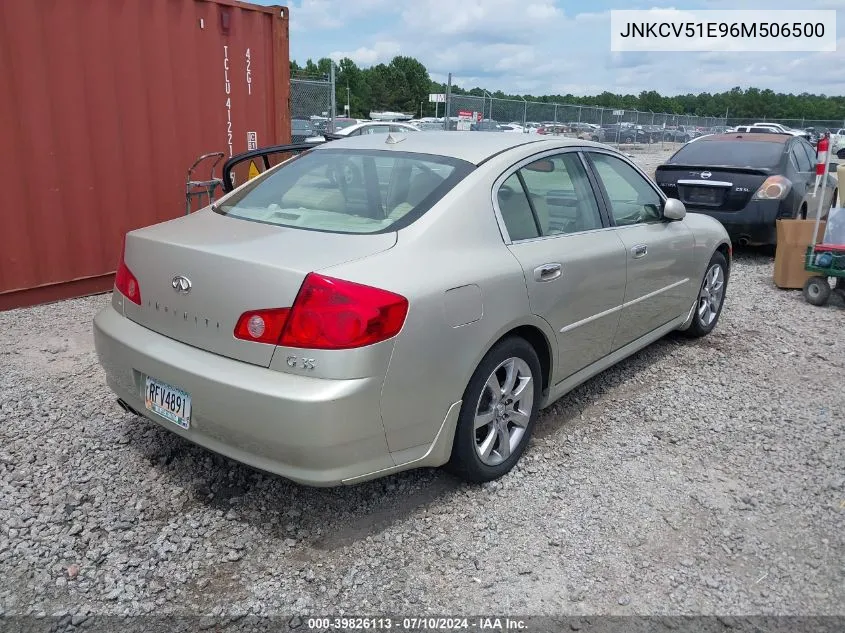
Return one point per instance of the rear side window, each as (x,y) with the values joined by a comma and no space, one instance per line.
(736,153)
(802,161)
(348,191)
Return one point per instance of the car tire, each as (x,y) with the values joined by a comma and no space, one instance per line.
(481,454)
(817,291)
(711,297)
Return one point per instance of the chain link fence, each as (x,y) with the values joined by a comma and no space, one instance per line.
(634,128)
(310,106)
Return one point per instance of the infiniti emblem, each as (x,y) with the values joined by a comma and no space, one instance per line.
(706,175)
(181,284)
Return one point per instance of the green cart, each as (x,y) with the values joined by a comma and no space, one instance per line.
(826,260)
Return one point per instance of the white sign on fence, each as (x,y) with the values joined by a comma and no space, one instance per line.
(437,98)
(619,113)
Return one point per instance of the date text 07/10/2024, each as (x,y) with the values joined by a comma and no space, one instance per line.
(417,624)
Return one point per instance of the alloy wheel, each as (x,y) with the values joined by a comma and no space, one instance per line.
(711,295)
(503,411)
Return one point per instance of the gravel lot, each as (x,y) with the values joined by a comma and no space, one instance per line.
(703,477)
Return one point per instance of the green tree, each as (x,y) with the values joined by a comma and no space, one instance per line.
(404,82)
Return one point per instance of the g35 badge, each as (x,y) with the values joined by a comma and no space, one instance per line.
(302,363)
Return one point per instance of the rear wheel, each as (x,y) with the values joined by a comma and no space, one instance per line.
(498,413)
(817,291)
(711,297)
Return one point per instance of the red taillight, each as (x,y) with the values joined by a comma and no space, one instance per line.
(262,326)
(329,313)
(125,281)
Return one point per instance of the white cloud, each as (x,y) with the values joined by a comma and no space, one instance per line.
(380,52)
(503,18)
(317,15)
(534,47)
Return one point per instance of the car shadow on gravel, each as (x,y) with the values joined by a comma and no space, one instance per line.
(281,510)
(616,383)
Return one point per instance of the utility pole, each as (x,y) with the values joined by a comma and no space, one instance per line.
(348,105)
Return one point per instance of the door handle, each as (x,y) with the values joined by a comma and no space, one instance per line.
(640,250)
(547,272)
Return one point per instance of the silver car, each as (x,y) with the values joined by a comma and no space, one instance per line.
(377,304)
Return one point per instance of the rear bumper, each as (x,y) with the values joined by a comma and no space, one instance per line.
(756,223)
(313,431)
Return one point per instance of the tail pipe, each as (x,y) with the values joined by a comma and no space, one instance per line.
(744,240)
(125,406)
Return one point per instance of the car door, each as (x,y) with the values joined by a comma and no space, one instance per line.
(659,253)
(574,265)
(803,174)
(828,182)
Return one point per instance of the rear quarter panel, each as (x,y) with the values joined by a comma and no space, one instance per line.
(456,246)
(709,235)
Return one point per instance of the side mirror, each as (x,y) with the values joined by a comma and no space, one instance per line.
(674,209)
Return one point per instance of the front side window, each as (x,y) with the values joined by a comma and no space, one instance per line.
(632,199)
(347,191)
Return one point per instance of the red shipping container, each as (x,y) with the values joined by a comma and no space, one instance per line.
(104,105)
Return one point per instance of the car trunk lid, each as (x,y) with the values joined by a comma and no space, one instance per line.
(231,266)
(716,188)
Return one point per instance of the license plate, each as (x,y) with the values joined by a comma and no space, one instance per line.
(704,195)
(168,401)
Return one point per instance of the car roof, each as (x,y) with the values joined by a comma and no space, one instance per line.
(749,136)
(473,147)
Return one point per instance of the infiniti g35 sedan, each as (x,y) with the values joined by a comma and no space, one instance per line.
(376,304)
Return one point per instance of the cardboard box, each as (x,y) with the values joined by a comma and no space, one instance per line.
(794,236)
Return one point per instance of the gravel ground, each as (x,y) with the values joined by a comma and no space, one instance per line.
(698,477)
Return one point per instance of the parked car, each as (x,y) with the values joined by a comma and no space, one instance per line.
(622,133)
(554,129)
(837,139)
(513,128)
(341,123)
(746,181)
(782,128)
(333,330)
(377,127)
(302,131)
(487,125)
(680,134)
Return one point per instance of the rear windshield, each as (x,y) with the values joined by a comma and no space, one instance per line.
(733,153)
(347,191)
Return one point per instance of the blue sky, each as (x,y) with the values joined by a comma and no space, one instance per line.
(550,46)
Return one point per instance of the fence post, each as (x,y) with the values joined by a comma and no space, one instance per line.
(333,109)
(448,103)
